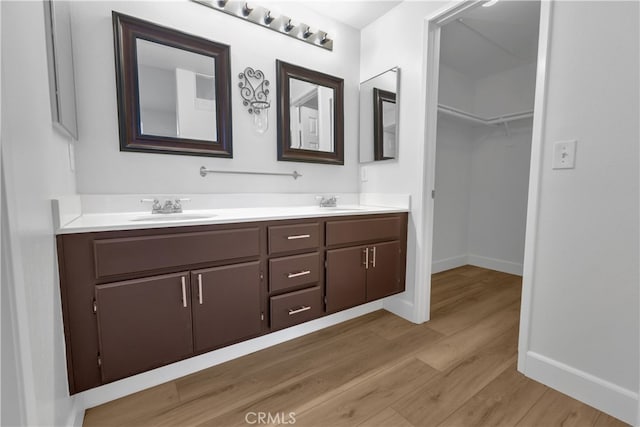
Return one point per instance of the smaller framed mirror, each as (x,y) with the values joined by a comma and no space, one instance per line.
(310,115)
(174,90)
(379,117)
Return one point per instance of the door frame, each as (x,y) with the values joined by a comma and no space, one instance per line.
(431,66)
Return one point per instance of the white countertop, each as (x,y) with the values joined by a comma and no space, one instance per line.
(94,222)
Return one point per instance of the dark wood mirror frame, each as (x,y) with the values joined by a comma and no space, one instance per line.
(126,30)
(380,96)
(286,71)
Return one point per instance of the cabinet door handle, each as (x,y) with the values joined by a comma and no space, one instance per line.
(299,236)
(293,311)
(374,257)
(200,288)
(184,291)
(300,273)
(366,258)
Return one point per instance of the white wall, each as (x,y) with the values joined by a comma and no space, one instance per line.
(102,168)
(480,210)
(584,322)
(456,89)
(36,168)
(510,91)
(482,172)
(453,188)
(498,196)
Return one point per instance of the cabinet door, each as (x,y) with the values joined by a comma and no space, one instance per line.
(226,304)
(384,273)
(346,278)
(143,324)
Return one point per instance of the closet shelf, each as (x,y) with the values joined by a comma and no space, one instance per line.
(503,119)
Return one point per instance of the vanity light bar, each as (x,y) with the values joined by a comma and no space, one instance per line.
(263,17)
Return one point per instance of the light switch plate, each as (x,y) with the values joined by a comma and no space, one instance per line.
(564,154)
(364,174)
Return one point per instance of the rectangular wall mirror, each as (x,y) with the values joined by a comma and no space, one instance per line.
(174,93)
(379,114)
(310,115)
(57,19)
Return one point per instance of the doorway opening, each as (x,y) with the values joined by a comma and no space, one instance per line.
(486,70)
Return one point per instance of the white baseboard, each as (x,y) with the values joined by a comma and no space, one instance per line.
(603,395)
(108,392)
(400,307)
(495,264)
(448,263)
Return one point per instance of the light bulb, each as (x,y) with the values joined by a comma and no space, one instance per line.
(261,121)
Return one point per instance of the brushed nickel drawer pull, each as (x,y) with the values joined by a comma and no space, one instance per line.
(374,257)
(184,291)
(293,311)
(301,273)
(299,236)
(200,288)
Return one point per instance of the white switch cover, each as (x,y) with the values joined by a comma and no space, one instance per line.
(364,174)
(72,157)
(564,154)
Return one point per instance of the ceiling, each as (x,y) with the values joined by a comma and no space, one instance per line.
(488,40)
(355,13)
(484,41)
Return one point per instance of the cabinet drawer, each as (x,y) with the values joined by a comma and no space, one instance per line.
(137,254)
(296,307)
(292,271)
(286,238)
(363,230)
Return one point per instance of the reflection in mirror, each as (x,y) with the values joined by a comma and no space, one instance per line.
(174,90)
(310,115)
(177,92)
(379,116)
(384,124)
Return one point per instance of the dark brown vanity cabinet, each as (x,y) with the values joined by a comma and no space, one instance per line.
(134,300)
(364,273)
(296,294)
(142,324)
(150,322)
(226,305)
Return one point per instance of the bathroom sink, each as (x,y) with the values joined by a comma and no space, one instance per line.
(172,217)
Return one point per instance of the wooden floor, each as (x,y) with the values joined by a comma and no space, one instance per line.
(459,369)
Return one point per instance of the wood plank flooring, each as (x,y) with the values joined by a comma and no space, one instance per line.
(457,370)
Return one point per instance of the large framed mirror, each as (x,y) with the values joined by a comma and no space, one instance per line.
(310,115)
(174,90)
(379,116)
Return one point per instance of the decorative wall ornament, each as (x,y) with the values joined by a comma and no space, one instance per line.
(262,16)
(254,89)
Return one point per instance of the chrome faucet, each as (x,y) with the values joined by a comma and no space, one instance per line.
(327,202)
(170,206)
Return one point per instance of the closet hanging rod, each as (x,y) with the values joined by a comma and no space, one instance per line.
(204,171)
(483,120)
